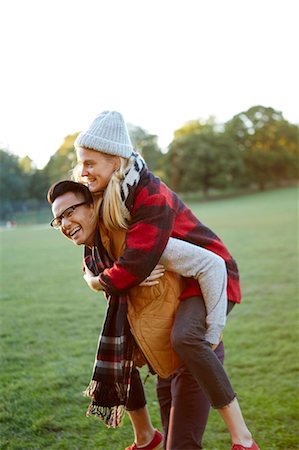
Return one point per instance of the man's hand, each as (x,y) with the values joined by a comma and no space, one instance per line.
(214,346)
(92,280)
(153,278)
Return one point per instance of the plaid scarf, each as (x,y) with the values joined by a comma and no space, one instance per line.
(110,384)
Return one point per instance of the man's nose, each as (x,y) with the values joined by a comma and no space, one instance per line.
(65,222)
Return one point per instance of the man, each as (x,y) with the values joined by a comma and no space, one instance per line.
(184,407)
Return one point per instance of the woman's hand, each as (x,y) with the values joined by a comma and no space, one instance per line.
(153,278)
(92,280)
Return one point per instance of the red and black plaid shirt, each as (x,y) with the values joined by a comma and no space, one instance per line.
(158,213)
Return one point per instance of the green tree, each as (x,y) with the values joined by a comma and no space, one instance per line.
(202,157)
(13,183)
(39,185)
(27,165)
(198,126)
(63,161)
(12,179)
(268,144)
(146,144)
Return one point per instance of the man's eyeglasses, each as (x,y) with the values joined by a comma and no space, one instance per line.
(67,213)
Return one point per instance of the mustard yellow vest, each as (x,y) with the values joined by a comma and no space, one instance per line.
(151,312)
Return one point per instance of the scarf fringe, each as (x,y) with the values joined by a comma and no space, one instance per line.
(90,388)
(112,417)
(99,391)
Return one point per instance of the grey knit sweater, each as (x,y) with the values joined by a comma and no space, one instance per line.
(209,269)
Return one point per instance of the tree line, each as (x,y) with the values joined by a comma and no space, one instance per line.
(256,148)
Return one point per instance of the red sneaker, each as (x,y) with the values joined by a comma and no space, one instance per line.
(241,447)
(155,444)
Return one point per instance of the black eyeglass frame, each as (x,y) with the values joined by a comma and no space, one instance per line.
(59,218)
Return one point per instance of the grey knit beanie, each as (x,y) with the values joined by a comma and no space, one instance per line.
(108,133)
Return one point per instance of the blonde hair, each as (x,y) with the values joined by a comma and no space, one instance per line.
(109,205)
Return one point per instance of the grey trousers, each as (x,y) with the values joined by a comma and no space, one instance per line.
(197,354)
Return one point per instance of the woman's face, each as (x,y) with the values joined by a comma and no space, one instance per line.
(96,168)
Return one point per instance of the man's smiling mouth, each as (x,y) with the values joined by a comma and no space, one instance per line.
(75,231)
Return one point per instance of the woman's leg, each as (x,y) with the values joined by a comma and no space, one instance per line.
(138,412)
(197,355)
(188,340)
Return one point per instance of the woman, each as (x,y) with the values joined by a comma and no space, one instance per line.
(134,199)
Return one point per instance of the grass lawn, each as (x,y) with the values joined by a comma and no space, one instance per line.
(50,323)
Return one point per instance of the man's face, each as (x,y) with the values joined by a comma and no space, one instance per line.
(77,224)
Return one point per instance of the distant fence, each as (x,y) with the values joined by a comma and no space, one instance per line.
(24,213)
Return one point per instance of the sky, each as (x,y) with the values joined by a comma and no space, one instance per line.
(160,63)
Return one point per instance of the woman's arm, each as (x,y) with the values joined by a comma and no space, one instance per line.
(209,269)
(147,236)
(94,284)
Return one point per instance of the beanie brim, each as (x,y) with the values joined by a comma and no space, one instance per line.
(103,145)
